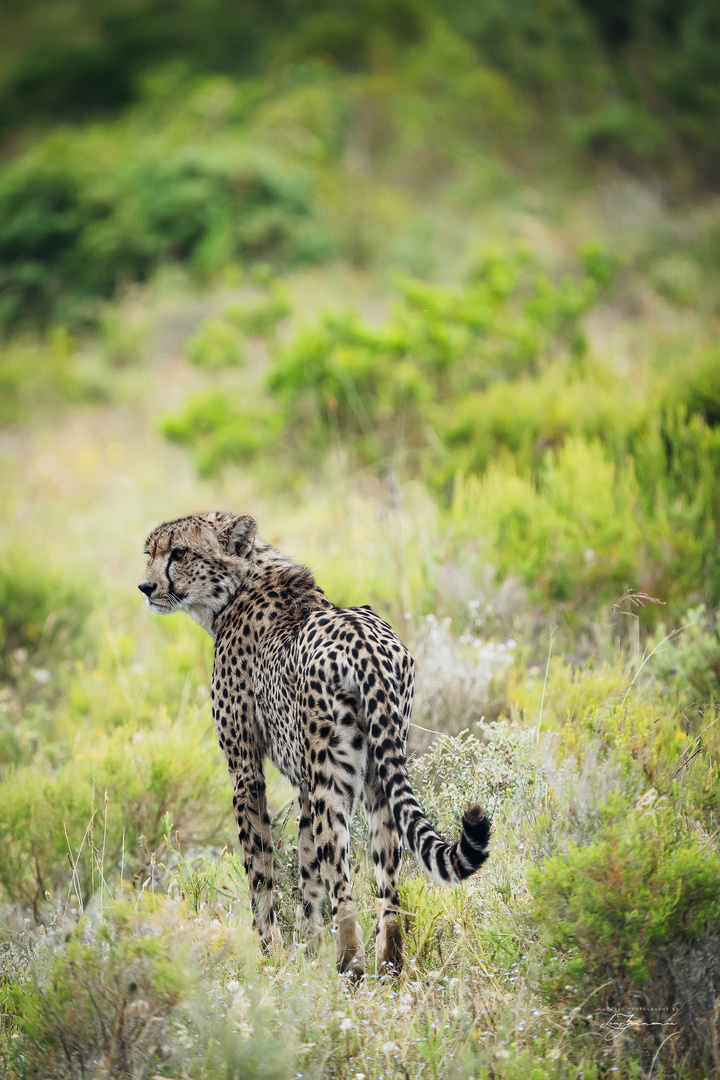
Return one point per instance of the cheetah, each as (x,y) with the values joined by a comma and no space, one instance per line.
(324,692)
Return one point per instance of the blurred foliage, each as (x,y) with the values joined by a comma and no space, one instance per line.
(87,211)
(640,80)
(379,387)
(211,162)
(216,345)
(43,613)
(44,371)
(587,528)
(688,662)
(218,430)
(576,479)
(261,317)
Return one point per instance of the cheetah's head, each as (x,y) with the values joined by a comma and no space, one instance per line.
(198,563)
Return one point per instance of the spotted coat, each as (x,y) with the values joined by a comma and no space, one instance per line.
(324,692)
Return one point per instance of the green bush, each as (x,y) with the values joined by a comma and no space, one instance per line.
(687,665)
(97,1004)
(380,388)
(48,816)
(260,319)
(638,82)
(533,415)
(575,534)
(677,465)
(220,432)
(637,913)
(84,212)
(216,345)
(41,611)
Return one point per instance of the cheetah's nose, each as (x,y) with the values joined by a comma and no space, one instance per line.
(147,587)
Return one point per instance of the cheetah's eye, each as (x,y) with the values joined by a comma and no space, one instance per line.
(177,553)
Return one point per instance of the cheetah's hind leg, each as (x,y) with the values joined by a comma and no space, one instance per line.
(312,890)
(332,844)
(386,853)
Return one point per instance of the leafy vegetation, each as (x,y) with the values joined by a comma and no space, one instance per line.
(640,80)
(87,212)
(41,613)
(210,164)
(576,478)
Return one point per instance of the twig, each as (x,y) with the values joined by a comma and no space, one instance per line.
(102,857)
(668,637)
(686,755)
(430,731)
(672,1035)
(75,883)
(542,699)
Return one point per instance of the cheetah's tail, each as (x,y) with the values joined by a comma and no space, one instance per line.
(445,861)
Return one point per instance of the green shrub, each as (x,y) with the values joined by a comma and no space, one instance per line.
(533,415)
(41,611)
(380,388)
(687,666)
(623,900)
(84,212)
(638,910)
(97,1004)
(220,432)
(48,816)
(677,465)
(575,534)
(692,383)
(260,319)
(216,345)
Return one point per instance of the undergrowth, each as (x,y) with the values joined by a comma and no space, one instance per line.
(587,943)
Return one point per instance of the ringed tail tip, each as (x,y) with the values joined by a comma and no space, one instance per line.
(474,842)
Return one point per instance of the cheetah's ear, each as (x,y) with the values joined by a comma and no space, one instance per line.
(239,537)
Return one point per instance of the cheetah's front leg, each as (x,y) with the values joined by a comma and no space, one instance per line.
(234,717)
(250,804)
